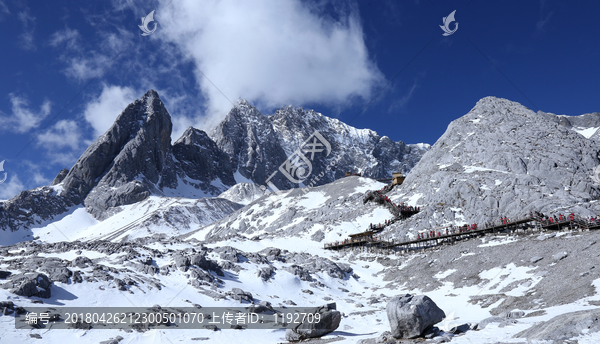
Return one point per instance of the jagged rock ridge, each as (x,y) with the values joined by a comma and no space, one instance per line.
(258,145)
(125,165)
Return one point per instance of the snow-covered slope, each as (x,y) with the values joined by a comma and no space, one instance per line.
(499,159)
(244,193)
(167,216)
(470,281)
(320,214)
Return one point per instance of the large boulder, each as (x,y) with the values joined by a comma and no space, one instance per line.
(411,315)
(81,262)
(266,272)
(56,270)
(240,295)
(30,284)
(181,261)
(330,321)
(202,262)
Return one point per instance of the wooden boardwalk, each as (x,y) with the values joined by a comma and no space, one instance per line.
(373,238)
(450,235)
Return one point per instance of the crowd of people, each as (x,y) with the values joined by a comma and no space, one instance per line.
(447,231)
(548,220)
(401,207)
(380,226)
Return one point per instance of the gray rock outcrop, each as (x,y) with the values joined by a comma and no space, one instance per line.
(57,272)
(60,176)
(502,159)
(565,326)
(199,158)
(244,193)
(330,321)
(411,315)
(501,321)
(29,284)
(127,163)
(240,295)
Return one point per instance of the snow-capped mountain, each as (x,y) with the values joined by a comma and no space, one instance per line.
(131,161)
(135,159)
(499,159)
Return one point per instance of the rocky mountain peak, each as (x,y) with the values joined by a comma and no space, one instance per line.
(243,111)
(502,159)
(192,134)
(128,162)
(199,158)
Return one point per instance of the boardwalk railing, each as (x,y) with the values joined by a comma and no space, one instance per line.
(373,238)
(456,233)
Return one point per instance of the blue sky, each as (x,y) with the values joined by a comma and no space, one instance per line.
(69,67)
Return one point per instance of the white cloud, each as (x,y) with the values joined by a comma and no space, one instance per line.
(68,37)
(83,63)
(271,52)
(3,9)
(545,16)
(28,22)
(23,118)
(83,68)
(401,102)
(11,187)
(40,179)
(65,133)
(102,112)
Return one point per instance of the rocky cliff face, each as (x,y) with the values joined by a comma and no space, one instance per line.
(125,165)
(253,146)
(199,158)
(258,145)
(502,159)
(132,160)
